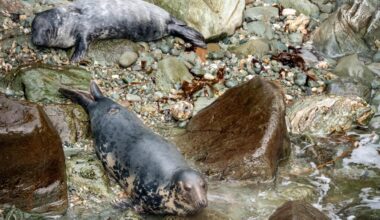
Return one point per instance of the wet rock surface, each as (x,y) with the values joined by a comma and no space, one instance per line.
(32,164)
(297,210)
(323,115)
(338,173)
(242,135)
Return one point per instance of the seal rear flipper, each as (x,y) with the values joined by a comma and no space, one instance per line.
(83,99)
(95,91)
(180,29)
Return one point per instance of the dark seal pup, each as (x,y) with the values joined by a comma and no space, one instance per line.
(151,170)
(79,23)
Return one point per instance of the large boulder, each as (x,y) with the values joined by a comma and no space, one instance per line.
(351,29)
(324,115)
(32,163)
(297,210)
(213,18)
(242,135)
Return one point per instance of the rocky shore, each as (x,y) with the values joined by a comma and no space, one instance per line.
(283,106)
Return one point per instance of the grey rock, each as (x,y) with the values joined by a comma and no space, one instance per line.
(345,86)
(300,79)
(108,52)
(261,29)
(171,71)
(264,13)
(201,103)
(257,47)
(296,38)
(133,98)
(302,6)
(351,66)
(376,57)
(128,58)
(40,83)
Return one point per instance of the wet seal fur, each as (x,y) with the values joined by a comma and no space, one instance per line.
(79,23)
(149,168)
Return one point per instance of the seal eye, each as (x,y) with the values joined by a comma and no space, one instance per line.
(187,187)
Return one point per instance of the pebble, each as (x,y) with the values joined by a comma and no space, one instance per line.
(133,98)
(182,110)
(209,76)
(128,58)
(288,11)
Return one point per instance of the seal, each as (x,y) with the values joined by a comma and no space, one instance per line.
(81,22)
(150,169)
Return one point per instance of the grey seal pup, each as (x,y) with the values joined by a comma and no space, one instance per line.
(151,170)
(81,22)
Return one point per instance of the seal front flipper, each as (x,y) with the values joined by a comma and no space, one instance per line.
(80,49)
(83,99)
(180,29)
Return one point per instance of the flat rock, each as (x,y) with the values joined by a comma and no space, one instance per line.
(41,83)
(242,135)
(32,163)
(324,115)
(351,66)
(71,122)
(256,47)
(171,71)
(302,6)
(108,52)
(345,86)
(214,18)
(260,29)
(297,210)
(264,13)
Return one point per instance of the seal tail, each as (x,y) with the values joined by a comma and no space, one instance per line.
(83,99)
(180,29)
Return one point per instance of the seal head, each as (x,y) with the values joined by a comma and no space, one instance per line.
(190,191)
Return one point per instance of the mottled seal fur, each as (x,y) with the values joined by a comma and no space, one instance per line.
(79,23)
(151,170)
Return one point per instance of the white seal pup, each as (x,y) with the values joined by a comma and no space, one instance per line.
(79,23)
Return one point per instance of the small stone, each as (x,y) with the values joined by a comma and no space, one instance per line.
(133,98)
(182,110)
(231,83)
(300,79)
(209,76)
(288,11)
(128,58)
(296,38)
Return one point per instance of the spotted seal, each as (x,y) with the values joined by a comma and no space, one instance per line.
(79,23)
(149,168)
